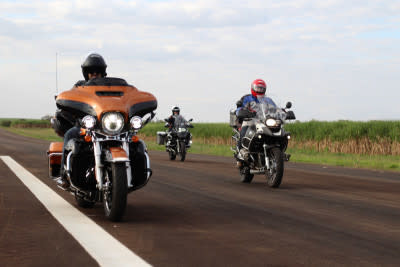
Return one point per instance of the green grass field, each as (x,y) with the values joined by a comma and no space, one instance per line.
(306,146)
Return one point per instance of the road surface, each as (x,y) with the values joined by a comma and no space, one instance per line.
(197,213)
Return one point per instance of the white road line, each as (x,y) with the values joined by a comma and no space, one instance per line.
(104,248)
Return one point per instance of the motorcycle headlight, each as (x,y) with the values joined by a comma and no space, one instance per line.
(136,122)
(88,122)
(112,122)
(271,123)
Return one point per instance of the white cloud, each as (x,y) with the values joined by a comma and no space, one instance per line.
(308,51)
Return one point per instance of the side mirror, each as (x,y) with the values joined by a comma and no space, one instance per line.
(290,115)
(146,118)
(166,120)
(190,120)
(288,104)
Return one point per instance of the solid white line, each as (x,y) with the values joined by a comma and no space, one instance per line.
(104,248)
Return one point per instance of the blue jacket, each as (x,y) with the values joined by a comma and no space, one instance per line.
(246,100)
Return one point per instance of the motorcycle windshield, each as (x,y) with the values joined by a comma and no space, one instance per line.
(180,123)
(267,109)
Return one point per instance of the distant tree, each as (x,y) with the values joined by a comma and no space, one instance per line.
(6,123)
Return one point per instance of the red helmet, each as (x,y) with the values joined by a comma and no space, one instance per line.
(258,87)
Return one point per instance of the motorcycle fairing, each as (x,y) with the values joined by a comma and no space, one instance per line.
(125,99)
(79,108)
(140,109)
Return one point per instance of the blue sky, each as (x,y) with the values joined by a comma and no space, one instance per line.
(332,59)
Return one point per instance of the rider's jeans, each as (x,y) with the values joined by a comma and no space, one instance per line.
(71,133)
(242,133)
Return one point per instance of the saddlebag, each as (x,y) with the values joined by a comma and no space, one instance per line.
(54,158)
(161,138)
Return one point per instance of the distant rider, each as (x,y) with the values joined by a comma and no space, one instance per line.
(258,89)
(175,120)
(65,123)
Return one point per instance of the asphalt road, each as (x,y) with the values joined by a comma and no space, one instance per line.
(197,213)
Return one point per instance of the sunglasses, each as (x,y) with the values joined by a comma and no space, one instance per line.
(94,71)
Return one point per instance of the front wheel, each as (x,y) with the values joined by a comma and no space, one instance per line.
(275,173)
(116,194)
(182,145)
(171,154)
(245,175)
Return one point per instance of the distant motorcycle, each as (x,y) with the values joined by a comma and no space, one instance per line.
(265,139)
(177,140)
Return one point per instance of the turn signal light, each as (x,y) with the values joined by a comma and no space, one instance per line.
(82,132)
(88,138)
(135,139)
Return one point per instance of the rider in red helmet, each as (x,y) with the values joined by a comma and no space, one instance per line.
(258,89)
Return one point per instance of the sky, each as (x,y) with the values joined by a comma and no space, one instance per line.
(333,59)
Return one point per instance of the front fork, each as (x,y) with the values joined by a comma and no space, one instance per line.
(99,165)
(266,157)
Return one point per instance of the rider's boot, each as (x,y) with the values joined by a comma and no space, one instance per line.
(63,182)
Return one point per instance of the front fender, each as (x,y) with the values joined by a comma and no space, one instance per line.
(116,154)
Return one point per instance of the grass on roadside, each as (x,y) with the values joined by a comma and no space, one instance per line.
(39,133)
(380,162)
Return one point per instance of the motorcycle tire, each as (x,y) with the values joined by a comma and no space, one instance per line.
(183,150)
(114,200)
(83,203)
(275,173)
(172,155)
(245,175)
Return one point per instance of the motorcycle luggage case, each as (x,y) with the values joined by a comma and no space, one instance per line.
(232,118)
(161,138)
(54,158)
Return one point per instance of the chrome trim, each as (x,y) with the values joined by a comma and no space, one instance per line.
(68,161)
(148,165)
(119,160)
(99,166)
(55,153)
(125,146)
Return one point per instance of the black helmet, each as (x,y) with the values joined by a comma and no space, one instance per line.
(94,62)
(175,109)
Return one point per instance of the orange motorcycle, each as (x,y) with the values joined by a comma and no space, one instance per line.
(108,160)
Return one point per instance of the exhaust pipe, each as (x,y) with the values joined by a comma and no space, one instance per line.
(257,171)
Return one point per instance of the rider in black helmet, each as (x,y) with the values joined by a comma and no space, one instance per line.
(93,67)
(176,111)
(94,64)
(175,115)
